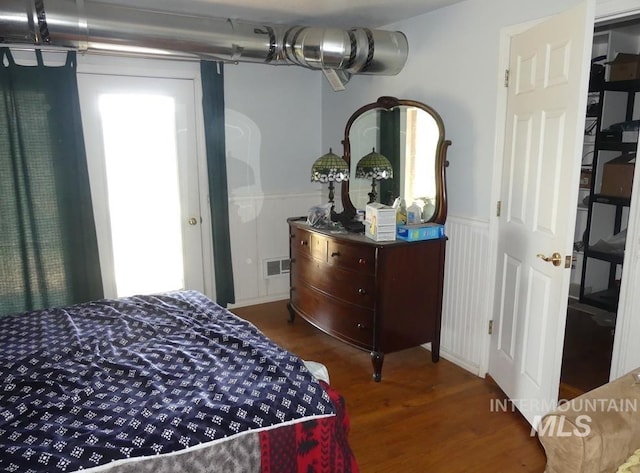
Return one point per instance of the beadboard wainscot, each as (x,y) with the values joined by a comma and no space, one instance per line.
(259,233)
(467,294)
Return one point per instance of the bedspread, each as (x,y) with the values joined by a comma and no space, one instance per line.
(100,383)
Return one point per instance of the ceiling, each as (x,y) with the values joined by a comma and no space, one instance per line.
(327,13)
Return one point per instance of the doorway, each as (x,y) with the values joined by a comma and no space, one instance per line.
(142,152)
(602,214)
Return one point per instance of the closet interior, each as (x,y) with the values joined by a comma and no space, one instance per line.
(608,160)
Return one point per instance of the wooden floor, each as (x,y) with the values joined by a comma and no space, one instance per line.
(422,417)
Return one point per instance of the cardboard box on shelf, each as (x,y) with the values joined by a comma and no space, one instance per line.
(624,67)
(617,176)
(585,178)
(630,136)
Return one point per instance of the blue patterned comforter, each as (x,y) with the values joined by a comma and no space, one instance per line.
(94,383)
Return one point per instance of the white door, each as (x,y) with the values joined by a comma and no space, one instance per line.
(546,102)
(140,135)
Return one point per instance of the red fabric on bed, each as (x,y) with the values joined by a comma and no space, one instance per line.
(314,446)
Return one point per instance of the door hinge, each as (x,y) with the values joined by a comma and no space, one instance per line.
(498,208)
(506,77)
(490,327)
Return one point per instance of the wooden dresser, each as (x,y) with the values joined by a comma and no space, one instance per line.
(377,296)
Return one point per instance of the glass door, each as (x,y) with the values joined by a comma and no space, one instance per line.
(141,148)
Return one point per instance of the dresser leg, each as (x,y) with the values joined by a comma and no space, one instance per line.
(292,314)
(377,358)
(435,351)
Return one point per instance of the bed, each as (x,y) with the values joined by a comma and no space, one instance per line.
(162,383)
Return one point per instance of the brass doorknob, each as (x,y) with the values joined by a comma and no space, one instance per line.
(193,221)
(555,258)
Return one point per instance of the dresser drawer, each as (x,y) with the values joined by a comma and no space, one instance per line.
(304,242)
(299,241)
(349,323)
(318,246)
(360,258)
(351,287)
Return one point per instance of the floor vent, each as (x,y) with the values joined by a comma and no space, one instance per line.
(276,267)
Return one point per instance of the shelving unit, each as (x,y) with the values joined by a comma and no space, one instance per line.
(606,215)
(592,313)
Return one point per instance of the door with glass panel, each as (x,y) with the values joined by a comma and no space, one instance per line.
(142,154)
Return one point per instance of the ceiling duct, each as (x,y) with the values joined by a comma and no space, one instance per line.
(88,25)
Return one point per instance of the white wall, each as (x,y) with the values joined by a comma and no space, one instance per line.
(273,136)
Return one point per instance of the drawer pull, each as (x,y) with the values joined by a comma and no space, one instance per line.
(335,253)
(304,242)
(362,291)
(362,261)
(362,326)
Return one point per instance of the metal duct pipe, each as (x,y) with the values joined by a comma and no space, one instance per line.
(88,25)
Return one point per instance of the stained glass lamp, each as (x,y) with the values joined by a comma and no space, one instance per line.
(330,168)
(376,167)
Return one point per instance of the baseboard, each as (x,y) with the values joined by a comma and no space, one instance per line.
(444,353)
(259,300)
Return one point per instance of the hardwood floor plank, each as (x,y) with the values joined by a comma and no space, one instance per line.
(422,417)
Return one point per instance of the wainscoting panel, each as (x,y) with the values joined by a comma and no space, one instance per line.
(259,233)
(467,298)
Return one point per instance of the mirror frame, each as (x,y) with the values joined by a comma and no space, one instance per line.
(440,159)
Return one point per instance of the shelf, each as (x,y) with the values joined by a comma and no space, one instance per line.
(601,255)
(623,86)
(611,200)
(618,146)
(607,299)
(616,100)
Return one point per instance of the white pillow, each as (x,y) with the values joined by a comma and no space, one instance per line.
(318,370)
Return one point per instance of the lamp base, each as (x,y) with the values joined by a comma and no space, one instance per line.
(373,194)
(331,195)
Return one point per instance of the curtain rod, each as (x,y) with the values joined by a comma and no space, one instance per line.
(22,47)
(101,52)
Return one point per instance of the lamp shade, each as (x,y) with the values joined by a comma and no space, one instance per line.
(374,166)
(329,167)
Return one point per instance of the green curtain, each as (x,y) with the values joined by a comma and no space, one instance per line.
(212,74)
(390,147)
(48,247)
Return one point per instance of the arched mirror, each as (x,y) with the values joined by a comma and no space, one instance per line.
(410,135)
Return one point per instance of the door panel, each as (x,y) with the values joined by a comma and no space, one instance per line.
(535,335)
(542,154)
(549,170)
(519,179)
(507,325)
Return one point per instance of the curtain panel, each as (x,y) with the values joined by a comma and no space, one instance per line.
(48,246)
(212,74)
(390,148)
